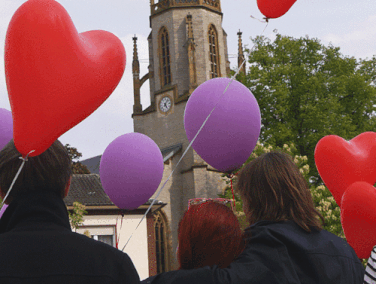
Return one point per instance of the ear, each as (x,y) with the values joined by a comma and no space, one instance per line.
(66,190)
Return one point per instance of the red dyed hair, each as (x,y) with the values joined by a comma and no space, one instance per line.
(209,234)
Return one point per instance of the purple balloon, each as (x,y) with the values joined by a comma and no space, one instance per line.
(231,133)
(3,209)
(131,170)
(6,127)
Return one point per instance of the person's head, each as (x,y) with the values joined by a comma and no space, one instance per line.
(273,189)
(209,234)
(49,171)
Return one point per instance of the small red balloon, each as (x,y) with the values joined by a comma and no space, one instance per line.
(340,163)
(272,9)
(55,76)
(358,217)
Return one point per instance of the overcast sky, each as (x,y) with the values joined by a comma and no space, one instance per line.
(349,24)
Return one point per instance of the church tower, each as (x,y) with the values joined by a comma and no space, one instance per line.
(187,46)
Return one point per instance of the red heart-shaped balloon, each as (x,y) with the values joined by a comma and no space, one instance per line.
(55,76)
(274,8)
(358,217)
(341,163)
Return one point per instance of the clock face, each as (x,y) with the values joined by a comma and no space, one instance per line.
(165,104)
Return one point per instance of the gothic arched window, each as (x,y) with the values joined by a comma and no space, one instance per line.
(164,57)
(213,52)
(160,227)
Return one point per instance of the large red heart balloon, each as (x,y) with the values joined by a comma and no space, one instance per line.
(358,217)
(55,76)
(341,163)
(274,8)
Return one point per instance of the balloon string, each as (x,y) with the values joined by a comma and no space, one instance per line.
(24,160)
(265,20)
(117,235)
(233,195)
(121,225)
(190,144)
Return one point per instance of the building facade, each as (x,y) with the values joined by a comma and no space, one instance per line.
(187,46)
(105,222)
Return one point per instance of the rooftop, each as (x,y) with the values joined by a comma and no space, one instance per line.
(94,163)
(162,5)
(87,189)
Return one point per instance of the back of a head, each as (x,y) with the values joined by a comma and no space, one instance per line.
(48,171)
(272,188)
(209,234)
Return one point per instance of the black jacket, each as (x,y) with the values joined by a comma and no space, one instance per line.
(280,252)
(38,246)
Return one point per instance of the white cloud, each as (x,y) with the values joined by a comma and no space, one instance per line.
(358,41)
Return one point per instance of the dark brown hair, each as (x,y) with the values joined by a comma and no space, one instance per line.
(209,234)
(273,189)
(50,170)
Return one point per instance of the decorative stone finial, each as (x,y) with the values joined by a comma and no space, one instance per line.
(135,63)
(240,53)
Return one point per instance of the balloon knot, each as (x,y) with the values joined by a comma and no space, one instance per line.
(27,156)
(265,20)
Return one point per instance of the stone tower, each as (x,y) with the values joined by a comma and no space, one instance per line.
(187,46)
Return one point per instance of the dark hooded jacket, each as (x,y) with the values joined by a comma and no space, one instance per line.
(38,246)
(280,253)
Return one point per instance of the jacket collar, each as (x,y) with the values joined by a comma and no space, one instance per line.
(257,225)
(260,223)
(37,209)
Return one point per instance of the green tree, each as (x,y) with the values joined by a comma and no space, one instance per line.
(322,198)
(77,167)
(76,217)
(306,91)
(78,212)
(87,233)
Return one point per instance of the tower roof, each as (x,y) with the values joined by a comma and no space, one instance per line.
(159,6)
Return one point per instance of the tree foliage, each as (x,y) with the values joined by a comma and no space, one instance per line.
(77,214)
(77,167)
(306,91)
(322,198)
(87,233)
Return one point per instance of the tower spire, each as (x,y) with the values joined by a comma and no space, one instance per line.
(137,107)
(240,53)
(135,63)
